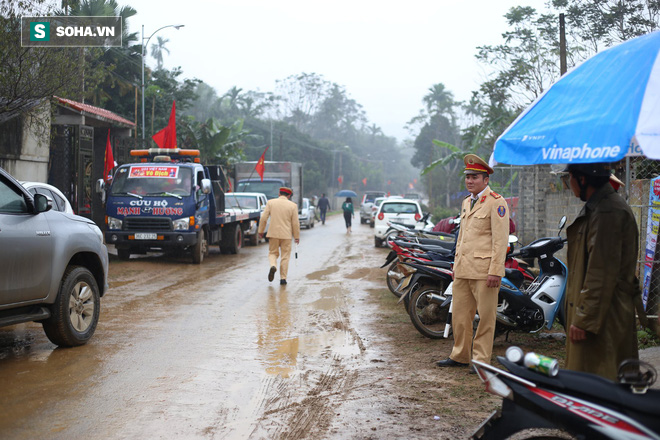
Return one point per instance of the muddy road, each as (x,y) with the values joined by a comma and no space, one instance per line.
(215,351)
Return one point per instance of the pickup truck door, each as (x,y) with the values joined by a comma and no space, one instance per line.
(26,252)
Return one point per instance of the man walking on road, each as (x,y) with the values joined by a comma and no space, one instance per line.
(602,289)
(323,205)
(284,224)
(478,266)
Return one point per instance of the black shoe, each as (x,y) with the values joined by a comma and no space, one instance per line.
(472,370)
(282,282)
(271,274)
(449,362)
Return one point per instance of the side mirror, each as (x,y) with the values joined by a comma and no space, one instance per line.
(562,223)
(100,186)
(206,186)
(42,203)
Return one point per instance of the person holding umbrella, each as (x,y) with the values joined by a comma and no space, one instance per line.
(349,213)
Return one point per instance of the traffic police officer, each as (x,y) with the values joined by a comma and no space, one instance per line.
(478,266)
(284,223)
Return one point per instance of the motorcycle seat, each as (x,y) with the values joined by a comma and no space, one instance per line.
(432,248)
(440,264)
(515,276)
(593,388)
(444,244)
(445,235)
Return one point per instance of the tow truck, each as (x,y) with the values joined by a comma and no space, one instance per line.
(168,201)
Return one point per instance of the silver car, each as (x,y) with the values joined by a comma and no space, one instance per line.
(53,266)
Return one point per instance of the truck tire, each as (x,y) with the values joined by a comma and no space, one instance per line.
(254,239)
(124,254)
(200,250)
(76,310)
(232,239)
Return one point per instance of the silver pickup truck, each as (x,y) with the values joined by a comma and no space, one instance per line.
(53,266)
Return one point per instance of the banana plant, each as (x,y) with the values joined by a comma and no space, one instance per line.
(217,143)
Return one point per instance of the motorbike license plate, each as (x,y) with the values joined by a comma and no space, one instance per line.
(145,236)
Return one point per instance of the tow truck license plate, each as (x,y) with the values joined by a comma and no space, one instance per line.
(145,236)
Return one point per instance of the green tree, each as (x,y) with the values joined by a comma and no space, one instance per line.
(217,143)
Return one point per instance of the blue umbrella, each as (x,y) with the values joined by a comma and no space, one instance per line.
(346,193)
(595,113)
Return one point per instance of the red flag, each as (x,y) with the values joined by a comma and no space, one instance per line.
(166,138)
(410,185)
(109,163)
(340,179)
(389,182)
(261,165)
(364,181)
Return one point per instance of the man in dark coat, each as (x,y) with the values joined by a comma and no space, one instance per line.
(323,205)
(602,259)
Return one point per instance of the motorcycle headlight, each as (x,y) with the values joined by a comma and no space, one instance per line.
(114,223)
(182,224)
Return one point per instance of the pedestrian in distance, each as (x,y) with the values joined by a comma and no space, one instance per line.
(323,205)
(478,266)
(347,207)
(602,287)
(284,225)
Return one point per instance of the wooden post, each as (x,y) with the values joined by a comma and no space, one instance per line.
(562,45)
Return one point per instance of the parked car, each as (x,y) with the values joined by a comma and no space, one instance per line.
(366,204)
(374,209)
(404,211)
(306,214)
(412,196)
(245,202)
(60,202)
(53,266)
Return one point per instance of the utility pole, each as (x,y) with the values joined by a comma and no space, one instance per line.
(562,45)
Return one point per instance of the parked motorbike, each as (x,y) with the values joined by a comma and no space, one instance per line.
(586,406)
(522,306)
(400,230)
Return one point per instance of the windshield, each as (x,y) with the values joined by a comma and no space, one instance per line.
(271,189)
(399,208)
(244,202)
(150,180)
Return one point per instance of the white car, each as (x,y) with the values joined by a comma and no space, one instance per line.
(60,202)
(306,214)
(374,209)
(404,211)
(244,202)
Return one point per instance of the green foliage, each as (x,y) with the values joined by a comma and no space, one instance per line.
(218,144)
(647,338)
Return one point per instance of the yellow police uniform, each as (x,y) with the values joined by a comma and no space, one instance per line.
(480,251)
(284,224)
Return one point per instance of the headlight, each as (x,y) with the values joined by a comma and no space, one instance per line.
(114,223)
(97,231)
(182,224)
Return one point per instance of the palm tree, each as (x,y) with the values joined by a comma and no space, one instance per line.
(157,50)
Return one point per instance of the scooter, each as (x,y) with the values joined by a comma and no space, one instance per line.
(521,306)
(584,405)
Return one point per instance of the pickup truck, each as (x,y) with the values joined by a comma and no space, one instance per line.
(168,201)
(242,202)
(53,266)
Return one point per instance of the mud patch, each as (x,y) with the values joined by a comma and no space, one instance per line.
(318,275)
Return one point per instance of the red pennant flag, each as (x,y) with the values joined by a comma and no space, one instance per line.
(410,185)
(415,181)
(261,165)
(389,182)
(364,181)
(166,138)
(109,163)
(340,179)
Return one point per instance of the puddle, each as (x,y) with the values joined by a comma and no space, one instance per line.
(321,273)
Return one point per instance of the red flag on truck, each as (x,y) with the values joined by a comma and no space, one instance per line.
(109,163)
(261,165)
(166,138)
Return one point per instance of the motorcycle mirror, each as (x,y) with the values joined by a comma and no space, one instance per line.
(513,239)
(562,223)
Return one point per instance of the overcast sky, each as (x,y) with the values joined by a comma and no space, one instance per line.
(385,53)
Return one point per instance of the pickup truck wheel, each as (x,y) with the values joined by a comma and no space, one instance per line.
(76,310)
(124,254)
(200,249)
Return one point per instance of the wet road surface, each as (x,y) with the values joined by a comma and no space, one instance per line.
(211,351)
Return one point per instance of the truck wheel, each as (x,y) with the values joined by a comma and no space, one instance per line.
(232,239)
(76,310)
(200,249)
(124,254)
(254,239)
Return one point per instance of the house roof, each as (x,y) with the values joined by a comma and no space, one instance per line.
(96,111)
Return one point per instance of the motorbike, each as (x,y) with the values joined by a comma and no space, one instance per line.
(400,230)
(583,405)
(522,305)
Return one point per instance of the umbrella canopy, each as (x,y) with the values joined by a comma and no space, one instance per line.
(346,193)
(594,113)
